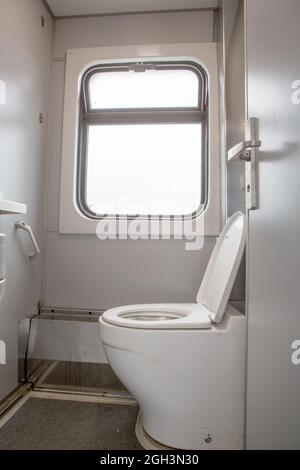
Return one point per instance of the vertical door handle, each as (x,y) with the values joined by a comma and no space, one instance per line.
(247,151)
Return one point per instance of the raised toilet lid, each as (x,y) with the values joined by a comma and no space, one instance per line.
(223,266)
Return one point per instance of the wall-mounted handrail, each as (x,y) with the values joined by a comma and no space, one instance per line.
(21,225)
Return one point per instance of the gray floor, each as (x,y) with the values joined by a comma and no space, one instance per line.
(45,424)
(75,376)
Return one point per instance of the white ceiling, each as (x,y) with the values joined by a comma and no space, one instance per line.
(96,7)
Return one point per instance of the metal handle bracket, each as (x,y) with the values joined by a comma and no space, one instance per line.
(242,151)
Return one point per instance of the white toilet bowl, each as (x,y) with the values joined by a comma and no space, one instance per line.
(184,363)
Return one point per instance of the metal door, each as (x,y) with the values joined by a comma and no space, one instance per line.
(273,267)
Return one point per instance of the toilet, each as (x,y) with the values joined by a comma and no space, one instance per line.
(185,362)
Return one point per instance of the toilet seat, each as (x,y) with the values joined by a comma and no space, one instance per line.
(212,297)
(159,316)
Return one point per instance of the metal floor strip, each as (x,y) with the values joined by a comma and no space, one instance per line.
(83,397)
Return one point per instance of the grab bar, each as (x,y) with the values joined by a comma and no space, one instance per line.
(28,229)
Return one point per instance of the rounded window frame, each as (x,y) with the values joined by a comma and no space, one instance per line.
(84,105)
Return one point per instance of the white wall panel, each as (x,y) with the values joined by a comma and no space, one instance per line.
(86,273)
(133,29)
(25,49)
(93,7)
(233,113)
(72,341)
(233,13)
(55,142)
(80,270)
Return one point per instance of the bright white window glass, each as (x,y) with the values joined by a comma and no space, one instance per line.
(149,89)
(144,169)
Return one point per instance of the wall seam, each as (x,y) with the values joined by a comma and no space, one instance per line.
(46,176)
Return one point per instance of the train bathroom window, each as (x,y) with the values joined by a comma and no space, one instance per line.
(141,137)
(142,140)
